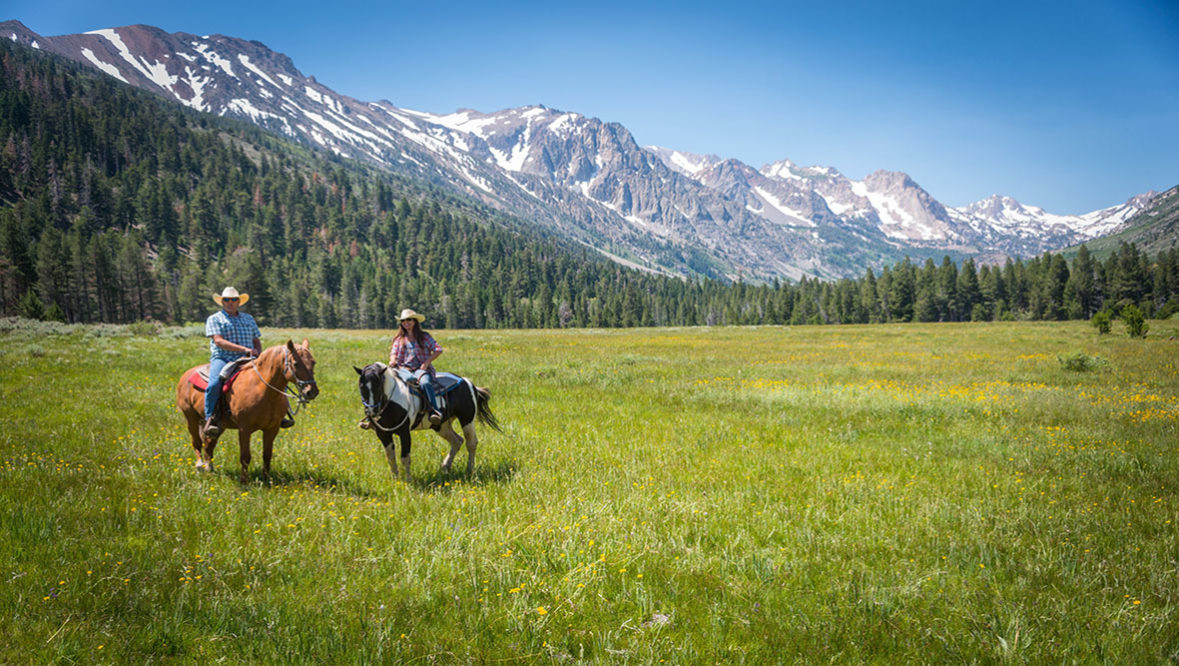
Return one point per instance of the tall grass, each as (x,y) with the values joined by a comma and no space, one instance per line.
(844,493)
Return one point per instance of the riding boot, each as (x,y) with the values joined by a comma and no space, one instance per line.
(432,413)
(212,429)
(287,421)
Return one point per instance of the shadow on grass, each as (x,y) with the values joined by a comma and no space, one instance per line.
(295,478)
(442,482)
(438,482)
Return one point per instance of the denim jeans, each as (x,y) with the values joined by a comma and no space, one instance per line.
(426,381)
(213,392)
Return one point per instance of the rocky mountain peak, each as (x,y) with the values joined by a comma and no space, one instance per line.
(665,209)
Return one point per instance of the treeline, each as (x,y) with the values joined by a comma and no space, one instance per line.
(117,206)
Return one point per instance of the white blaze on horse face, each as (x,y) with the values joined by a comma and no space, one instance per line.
(371,390)
(366,394)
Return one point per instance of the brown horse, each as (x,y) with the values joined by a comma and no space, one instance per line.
(257,400)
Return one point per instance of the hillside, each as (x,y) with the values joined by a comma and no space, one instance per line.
(118,206)
(587,179)
(1153,230)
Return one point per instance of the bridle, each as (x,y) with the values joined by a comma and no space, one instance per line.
(289,364)
(373,411)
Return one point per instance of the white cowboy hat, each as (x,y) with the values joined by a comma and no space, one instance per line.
(407,313)
(230,292)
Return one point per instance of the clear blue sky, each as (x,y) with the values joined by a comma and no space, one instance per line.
(1072,106)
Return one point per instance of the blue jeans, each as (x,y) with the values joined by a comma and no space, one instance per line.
(426,381)
(213,392)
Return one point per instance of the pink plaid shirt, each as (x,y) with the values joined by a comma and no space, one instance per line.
(412,355)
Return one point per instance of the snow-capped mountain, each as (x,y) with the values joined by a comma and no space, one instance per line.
(656,208)
(908,215)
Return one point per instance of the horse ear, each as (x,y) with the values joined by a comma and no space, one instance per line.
(305,344)
(358,370)
(290,345)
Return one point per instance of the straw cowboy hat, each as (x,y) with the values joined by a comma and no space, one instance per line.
(407,313)
(230,292)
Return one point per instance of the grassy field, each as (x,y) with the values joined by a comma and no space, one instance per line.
(917,493)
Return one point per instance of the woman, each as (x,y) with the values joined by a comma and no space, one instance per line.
(415,350)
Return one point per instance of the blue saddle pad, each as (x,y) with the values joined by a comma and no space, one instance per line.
(445,381)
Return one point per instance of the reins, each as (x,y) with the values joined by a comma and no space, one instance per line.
(287,390)
(372,418)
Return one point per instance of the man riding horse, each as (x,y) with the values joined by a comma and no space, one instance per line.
(232,335)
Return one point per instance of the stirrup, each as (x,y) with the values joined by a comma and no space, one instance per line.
(287,422)
(211,430)
(435,417)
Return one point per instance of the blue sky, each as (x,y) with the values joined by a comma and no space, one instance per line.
(1072,106)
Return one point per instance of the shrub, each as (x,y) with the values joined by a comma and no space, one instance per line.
(30,306)
(107,331)
(1079,361)
(1169,309)
(187,331)
(1135,321)
(33,328)
(1102,321)
(54,313)
(144,329)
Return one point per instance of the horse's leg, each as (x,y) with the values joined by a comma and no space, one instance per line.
(446,431)
(472,442)
(243,445)
(209,444)
(390,452)
(405,444)
(267,451)
(194,431)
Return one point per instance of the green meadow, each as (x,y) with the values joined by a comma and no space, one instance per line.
(977,493)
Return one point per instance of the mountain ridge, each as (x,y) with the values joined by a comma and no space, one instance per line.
(664,210)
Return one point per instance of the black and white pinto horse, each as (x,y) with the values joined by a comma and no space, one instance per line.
(392,407)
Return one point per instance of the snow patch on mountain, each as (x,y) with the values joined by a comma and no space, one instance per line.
(245,61)
(103,65)
(783,169)
(895,220)
(208,53)
(795,215)
(156,72)
(689,164)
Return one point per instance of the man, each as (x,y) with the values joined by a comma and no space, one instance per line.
(232,335)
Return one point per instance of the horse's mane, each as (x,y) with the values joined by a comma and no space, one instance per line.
(266,358)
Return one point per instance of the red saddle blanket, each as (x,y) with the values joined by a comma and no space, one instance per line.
(199,377)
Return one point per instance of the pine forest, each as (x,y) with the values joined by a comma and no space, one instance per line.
(117,206)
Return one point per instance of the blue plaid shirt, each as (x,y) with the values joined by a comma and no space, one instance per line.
(240,330)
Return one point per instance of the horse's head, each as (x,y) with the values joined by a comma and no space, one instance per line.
(300,369)
(372,389)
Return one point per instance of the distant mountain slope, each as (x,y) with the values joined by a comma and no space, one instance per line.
(1153,230)
(657,208)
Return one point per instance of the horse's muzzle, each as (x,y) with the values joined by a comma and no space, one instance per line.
(310,391)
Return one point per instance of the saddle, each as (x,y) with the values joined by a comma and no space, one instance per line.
(199,377)
(444,382)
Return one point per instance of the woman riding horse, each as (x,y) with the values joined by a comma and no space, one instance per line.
(415,350)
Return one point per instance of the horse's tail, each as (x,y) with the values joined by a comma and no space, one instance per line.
(482,410)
